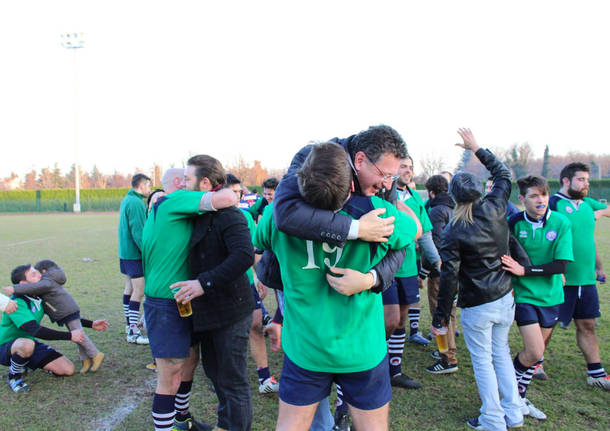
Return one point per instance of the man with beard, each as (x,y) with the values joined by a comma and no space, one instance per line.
(581,299)
(220,253)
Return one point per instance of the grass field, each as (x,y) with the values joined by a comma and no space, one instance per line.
(119,395)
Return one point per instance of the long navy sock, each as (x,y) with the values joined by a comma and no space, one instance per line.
(126,299)
(134,314)
(341,404)
(414,320)
(396,345)
(596,370)
(163,412)
(182,402)
(17,367)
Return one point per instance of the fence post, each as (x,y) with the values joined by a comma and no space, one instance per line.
(37,200)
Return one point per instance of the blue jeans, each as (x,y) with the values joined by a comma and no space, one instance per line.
(224,355)
(486,329)
(323,419)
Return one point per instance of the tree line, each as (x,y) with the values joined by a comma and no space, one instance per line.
(251,174)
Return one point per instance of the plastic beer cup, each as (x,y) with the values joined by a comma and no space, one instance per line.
(185,310)
(441,340)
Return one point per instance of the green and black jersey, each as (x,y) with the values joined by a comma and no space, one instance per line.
(581,213)
(544,241)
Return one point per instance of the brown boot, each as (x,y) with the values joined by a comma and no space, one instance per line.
(86,366)
(97,362)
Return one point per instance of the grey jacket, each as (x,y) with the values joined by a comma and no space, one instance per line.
(56,300)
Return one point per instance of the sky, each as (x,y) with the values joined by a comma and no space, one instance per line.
(158,81)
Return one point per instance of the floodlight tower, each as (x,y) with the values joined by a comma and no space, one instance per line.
(74,42)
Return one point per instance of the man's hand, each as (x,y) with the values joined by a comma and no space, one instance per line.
(469,142)
(262,290)
(9,290)
(10,307)
(100,325)
(511,265)
(77,336)
(274,331)
(438,331)
(188,289)
(600,275)
(154,199)
(373,228)
(351,282)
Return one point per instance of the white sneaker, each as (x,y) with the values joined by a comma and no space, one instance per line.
(137,339)
(600,382)
(127,329)
(533,411)
(269,386)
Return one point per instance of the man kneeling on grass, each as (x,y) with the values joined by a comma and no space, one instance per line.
(18,332)
(332,332)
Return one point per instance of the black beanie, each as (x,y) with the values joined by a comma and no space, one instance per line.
(465,188)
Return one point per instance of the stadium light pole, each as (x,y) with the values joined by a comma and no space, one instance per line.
(74,42)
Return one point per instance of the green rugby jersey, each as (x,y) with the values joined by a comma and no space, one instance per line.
(252,227)
(323,330)
(581,272)
(412,256)
(11,323)
(165,242)
(544,241)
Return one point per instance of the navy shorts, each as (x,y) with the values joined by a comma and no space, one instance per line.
(581,302)
(170,335)
(132,268)
(258,303)
(42,355)
(404,291)
(365,390)
(527,314)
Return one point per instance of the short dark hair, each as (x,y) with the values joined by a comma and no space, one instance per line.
(270,183)
(45,265)
(570,170)
(325,177)
(437,184)
(137,179)
(18,274)
(530,181)
(232,179)
(208,167)
(377,141)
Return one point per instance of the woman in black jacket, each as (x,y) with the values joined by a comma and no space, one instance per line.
(472,246)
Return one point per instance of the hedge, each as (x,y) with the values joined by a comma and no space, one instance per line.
(49,200)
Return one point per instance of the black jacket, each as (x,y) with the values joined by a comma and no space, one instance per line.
(221,251)
(295,217)
(471,252)
(440,209)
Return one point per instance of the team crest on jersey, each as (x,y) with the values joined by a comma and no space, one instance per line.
(523,234)
(551,235)
(569,210)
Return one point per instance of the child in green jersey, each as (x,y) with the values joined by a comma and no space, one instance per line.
(546,237)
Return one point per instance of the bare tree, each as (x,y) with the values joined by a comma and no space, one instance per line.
(431,164)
